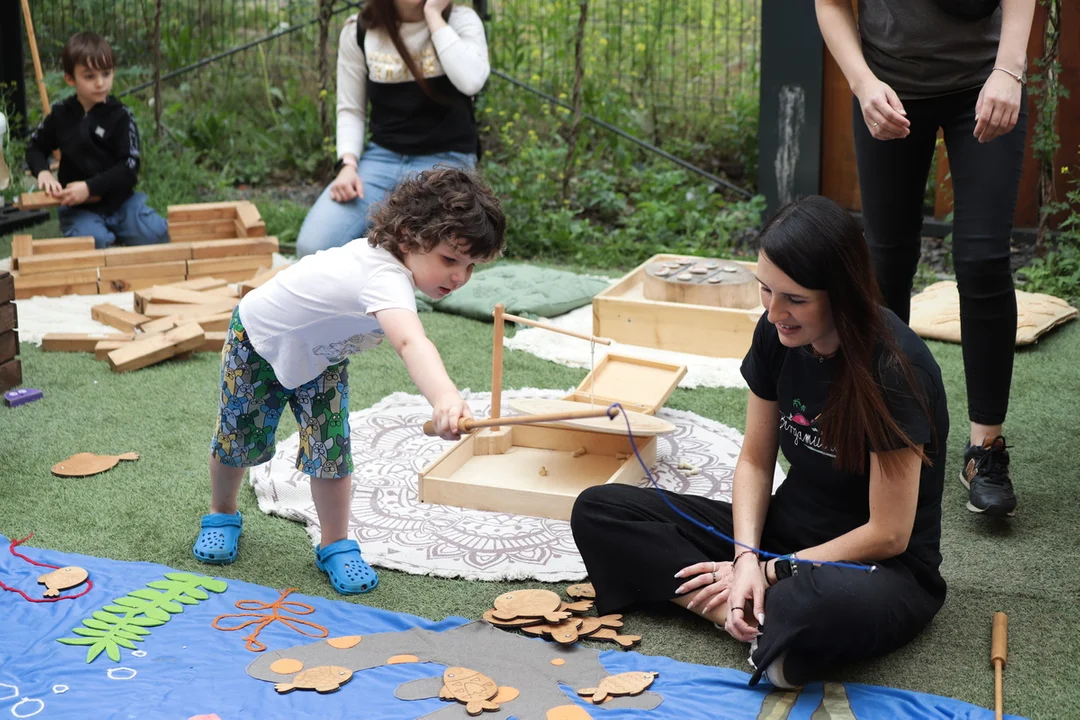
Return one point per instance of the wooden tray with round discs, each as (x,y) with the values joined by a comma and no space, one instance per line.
(700,281)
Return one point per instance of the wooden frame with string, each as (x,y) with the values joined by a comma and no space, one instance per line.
(538,469)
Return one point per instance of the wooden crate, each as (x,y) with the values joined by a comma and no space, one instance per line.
(623,313)
(511,482)
(499,469)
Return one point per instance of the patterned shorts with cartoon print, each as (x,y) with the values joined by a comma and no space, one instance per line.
(252,401)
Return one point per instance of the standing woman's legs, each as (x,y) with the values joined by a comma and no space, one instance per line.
(892,182)
(986,180)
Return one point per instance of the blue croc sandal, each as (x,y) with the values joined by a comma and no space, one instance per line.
(348,572)
(220,536)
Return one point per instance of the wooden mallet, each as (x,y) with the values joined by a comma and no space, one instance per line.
(469,424)
(999,642)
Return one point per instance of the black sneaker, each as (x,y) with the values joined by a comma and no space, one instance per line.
(986,476)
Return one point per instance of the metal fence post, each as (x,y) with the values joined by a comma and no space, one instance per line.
(789,137)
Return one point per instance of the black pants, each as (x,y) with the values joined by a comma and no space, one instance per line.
(633,543)
(985,178)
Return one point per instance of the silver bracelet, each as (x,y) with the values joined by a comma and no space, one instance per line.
(1018,77)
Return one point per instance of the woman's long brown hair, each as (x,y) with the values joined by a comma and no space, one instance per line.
(381,14)
(819,245)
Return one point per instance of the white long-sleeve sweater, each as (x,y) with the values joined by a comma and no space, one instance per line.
(456,53)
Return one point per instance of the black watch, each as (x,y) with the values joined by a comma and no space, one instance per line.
(783,568)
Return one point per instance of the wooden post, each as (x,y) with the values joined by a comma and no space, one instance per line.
(999,643)
(496,365)
(38,75)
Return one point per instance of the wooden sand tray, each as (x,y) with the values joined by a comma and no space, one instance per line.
(712,312)
(539,468)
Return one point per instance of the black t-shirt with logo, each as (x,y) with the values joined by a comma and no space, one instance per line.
(818,502)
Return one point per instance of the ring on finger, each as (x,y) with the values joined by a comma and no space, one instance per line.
(714,576)
(873,124)
(736,608)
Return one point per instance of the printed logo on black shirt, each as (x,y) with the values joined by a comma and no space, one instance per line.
(803,431)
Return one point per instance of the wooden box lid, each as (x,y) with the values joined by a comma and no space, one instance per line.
(639,385)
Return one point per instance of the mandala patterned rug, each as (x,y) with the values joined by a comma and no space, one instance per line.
(397,531)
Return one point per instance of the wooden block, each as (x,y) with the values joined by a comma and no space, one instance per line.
(220,268)
(69,282)
(7,287)
(78,342)
(103,348)
(9,316)
(213,323)
(159,326)
(184,231)
(155,348)
(58,262)
(239,276)
(118,318)
(22,246)
(115,286)
(9,345)
(234,248)
(248,221)
(10,375)
(214,342)
(202,211)
(143,254)
(144,270)
(38,201)
(201,283)
(63,245)
(224,291)
(167,294)
(160,310)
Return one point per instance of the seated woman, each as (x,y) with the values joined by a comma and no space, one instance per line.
(419,62)
(854,399)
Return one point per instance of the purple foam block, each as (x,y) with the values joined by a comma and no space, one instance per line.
(15,398)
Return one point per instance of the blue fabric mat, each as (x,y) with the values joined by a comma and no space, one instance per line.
(185,667)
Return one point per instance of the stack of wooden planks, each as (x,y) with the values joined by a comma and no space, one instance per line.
(10,365)
(170,320)
(224,240)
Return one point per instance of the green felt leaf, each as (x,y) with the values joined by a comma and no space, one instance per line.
(77,641)
(90,632)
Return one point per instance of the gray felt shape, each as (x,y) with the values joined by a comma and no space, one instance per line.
(507,658)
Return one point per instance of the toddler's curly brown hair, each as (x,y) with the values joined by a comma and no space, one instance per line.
(442,204)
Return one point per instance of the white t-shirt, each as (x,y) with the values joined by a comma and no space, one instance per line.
(312,315)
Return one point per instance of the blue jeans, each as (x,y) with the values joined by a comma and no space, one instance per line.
(134,223)
(332,224)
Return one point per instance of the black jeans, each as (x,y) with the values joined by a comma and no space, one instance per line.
(985,178)
(633,544)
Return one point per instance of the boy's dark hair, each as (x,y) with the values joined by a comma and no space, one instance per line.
(436,205)
(89,49)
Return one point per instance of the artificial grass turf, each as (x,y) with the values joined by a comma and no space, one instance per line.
(149,510)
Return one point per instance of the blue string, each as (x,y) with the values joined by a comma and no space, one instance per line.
(710,528)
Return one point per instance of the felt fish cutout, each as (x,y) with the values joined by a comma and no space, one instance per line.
(323,679)
(62,579)
(469,687)
(529,603)
(628,683)
(85,464)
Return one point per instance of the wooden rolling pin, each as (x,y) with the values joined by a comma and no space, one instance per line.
(469,424)
(999,642)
